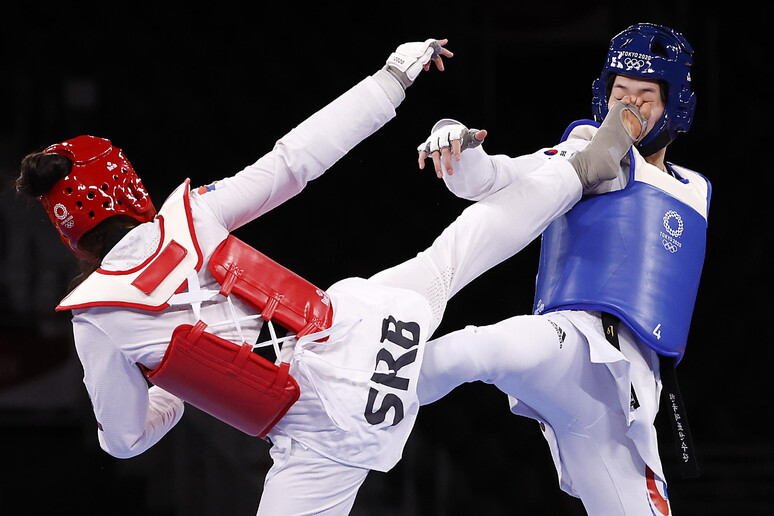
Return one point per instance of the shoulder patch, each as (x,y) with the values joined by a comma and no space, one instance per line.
(206,188)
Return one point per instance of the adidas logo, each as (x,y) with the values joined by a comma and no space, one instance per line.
(559,332)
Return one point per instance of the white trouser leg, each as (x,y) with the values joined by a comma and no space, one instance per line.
(543,361)
(607,472)
(522,355)
(302,482)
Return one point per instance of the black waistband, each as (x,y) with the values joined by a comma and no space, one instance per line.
(678,418)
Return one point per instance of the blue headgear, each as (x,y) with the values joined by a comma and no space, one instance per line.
(651,52)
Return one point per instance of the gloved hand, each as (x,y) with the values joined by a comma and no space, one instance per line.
(448,139)
(411,58)
(403,66)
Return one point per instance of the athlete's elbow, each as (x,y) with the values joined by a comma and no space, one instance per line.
(119,448)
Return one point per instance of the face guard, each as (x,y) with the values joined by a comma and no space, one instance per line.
(655,53)
(102,183)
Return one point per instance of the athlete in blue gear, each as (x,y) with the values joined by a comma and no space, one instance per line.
(630,252)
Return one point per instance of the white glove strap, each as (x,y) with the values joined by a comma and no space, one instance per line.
(446,131)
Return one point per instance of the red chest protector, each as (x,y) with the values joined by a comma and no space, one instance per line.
(275,292)
(229,381)
(226,380)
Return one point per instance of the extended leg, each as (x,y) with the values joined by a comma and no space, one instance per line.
(544,362)
(486,233)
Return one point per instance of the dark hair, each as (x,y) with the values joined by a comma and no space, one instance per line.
(38,173)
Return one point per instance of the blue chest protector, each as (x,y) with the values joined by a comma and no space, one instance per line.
(636,253)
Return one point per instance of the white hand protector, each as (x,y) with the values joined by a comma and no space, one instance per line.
(445,133)
(409,59)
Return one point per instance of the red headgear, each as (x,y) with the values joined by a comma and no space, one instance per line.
(102,183)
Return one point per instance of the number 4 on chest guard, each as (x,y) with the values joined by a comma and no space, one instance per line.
(405,335)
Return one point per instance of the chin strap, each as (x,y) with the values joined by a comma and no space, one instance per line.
(658,143)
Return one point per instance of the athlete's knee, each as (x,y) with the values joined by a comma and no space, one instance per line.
(502,350)
(524,343)
(511,348)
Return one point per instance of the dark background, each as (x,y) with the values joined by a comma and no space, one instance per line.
(201,92)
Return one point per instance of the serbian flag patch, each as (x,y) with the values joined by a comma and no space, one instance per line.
(206,188)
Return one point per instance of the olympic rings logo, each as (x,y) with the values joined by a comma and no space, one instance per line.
(669,246)
(633,64)
(631,61)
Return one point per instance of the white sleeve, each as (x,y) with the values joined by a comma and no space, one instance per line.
(130,416)
(300,156)
(478,174)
